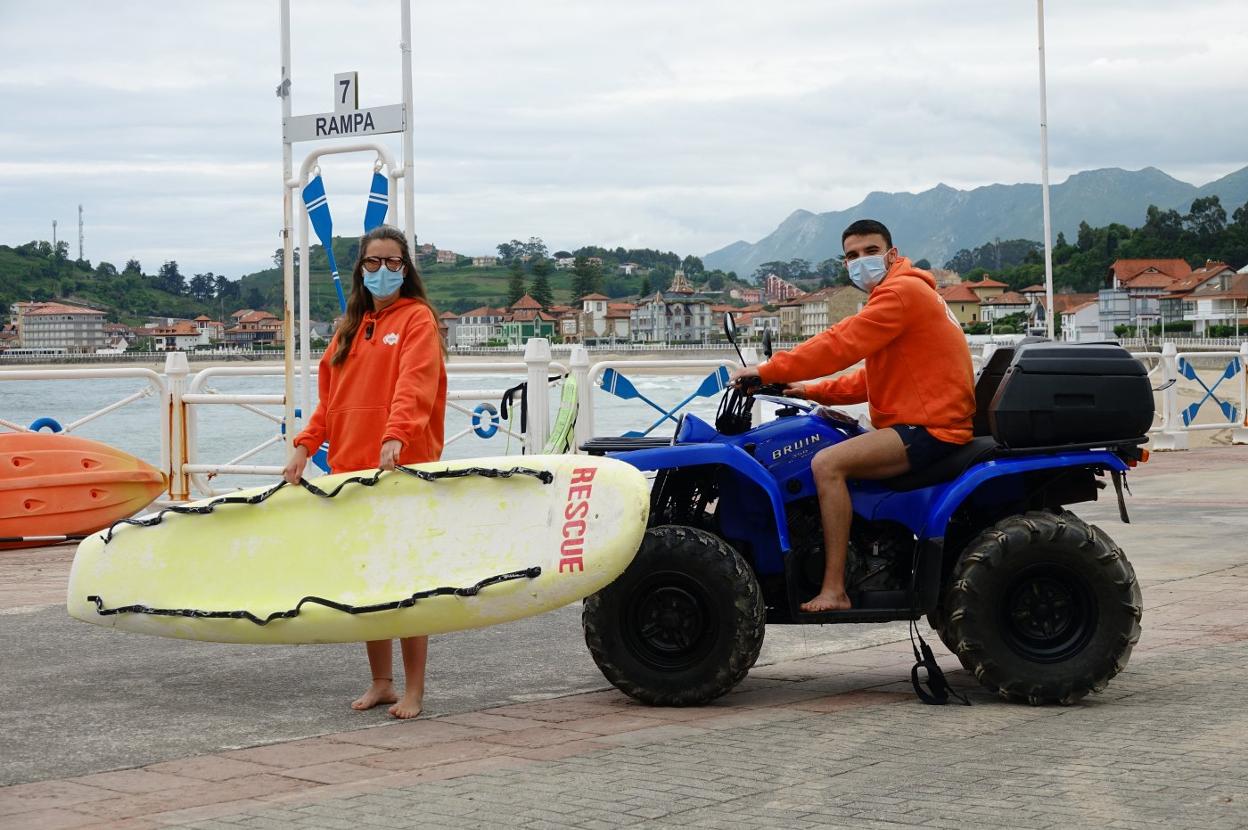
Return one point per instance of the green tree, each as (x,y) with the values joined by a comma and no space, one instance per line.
(692,265)
(515,285)
(133,267)
(225,289)
(1165,224)
(170,278)
(105,271)
(202,286)
(715,281)
(255,299)
(540,291)
(1240,217)
(541,266)
(535,248)
(923,264)
(1206,217)
(643,290)
(586,277)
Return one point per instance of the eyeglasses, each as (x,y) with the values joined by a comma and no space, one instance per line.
(372,263)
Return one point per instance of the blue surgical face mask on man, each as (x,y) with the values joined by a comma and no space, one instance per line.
(866,272)
(383,282)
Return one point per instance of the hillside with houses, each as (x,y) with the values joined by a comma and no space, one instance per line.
(1177,274)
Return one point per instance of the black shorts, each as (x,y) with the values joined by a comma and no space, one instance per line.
(921,448)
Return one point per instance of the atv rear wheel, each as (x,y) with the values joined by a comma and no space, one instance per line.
(1043,608)
(682,625)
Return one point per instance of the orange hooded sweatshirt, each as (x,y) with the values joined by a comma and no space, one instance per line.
(918,362)
(392,386)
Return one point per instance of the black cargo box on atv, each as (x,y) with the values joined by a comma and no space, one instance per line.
(1055,393)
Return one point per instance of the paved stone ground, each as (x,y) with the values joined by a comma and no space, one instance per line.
(832,740)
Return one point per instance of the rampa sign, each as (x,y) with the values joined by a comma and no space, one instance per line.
(347,120)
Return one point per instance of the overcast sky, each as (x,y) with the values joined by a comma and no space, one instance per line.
(674,125)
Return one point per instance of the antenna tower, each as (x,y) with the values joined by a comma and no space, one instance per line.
(80,232)
(53,237)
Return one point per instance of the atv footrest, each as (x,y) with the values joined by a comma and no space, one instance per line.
(858,615)
(869,606)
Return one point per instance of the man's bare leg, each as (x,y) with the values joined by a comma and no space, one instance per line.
(875,455)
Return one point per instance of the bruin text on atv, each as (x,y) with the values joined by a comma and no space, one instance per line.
(1039,605)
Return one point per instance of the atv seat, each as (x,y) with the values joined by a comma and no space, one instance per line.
(949,467)
(624,443)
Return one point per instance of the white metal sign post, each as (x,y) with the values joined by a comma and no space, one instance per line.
(347,120)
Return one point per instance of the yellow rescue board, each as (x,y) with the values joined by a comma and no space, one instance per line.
(555,541)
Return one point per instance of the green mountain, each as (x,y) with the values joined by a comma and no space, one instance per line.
(450,288)
(31,272)
(938,222)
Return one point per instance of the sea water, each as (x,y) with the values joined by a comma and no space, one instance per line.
(225,432)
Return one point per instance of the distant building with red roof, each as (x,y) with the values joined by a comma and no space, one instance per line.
(1126,271)
(1003,305)
(59,325)
(479,326)
(962,301)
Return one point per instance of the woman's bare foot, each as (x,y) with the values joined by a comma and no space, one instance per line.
(408,707)
(382,691)
(827,601)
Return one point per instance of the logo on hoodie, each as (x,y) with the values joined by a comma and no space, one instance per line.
(391,338)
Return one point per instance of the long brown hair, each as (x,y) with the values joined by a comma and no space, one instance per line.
(361,299)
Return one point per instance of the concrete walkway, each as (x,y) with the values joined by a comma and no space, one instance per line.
(834,739)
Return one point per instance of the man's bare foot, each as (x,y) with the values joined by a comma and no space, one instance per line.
(408,707)
(827,601)
(382,691)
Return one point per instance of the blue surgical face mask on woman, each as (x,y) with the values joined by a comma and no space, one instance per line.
(866,272)
(383,282)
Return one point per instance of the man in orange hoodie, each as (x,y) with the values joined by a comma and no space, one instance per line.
(918,381)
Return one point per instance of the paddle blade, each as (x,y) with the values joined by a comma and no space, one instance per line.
(378,202)
(618,385)
(714,383)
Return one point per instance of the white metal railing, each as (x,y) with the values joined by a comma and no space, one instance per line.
(1209,392)
(196,475)
(1178,422)
(153,384)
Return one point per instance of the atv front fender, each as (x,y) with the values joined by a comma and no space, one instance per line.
(736,462)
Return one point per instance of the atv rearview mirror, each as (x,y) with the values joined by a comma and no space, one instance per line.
(730,331)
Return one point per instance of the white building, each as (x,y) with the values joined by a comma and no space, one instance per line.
(182,336)
(1082,323)
(479,326)
(594,315)
(671,318)
(55,325)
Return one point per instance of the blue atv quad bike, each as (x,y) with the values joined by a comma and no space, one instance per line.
(1039,605)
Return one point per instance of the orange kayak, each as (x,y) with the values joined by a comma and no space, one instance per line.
(61,485)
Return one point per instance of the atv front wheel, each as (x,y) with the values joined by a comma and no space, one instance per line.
(1043,608)
(682,625)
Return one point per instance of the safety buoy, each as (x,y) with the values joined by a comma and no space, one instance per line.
(485,420)
(40,424)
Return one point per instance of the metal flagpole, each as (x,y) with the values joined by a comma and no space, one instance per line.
(288,253)
(409,195)
(1044,178)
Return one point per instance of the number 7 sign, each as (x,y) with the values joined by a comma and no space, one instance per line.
(346,92)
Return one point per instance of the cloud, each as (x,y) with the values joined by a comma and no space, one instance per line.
(675,125)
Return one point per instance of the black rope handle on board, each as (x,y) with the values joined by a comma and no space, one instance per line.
(469,591)
(544,476)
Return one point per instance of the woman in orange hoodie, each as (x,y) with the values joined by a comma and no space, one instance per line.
(382,385)
(918,381)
